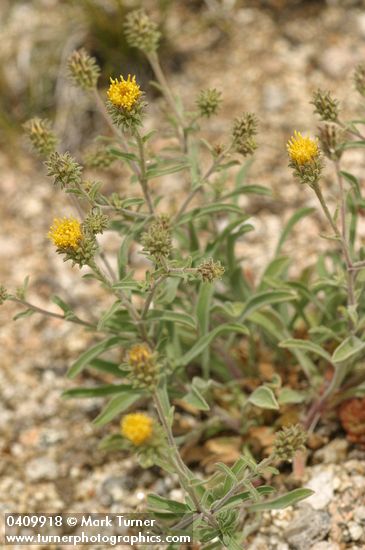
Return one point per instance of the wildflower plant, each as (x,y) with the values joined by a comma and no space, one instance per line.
(333,307)
(171,339)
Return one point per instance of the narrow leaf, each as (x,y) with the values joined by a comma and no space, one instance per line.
(90,354)
(284,501)
(116,406)
(203,342)
(299,214)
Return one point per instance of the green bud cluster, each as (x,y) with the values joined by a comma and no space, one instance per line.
(95,222)
(101,158)
(157,241)
(209,102)
(209,270)
(64,169)
(359,79)
(288,441)
(83,254)
(331,138)
(325,105)
(141,32)
(40,135)
(83,70)
(127,119)
(243,132)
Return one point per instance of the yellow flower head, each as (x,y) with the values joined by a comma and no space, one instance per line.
(139,354)
(124,93)
(301,149)
(137,427)
(65,233)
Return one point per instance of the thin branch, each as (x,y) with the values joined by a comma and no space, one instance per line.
(206,176)
(128,304)
(108,267)
(166,90)
(47,313)
(125,211)
(102,109)
(151,295)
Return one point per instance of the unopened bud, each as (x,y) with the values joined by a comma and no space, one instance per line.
(157,240)
(243,132)
(209,270)
(288,441)
(141,32)
(83,70)
(209,102)
(101,158)
(40,135)
(64,169)
(325,105)
(331,138)
(359,79)
(95,222)
(3,295)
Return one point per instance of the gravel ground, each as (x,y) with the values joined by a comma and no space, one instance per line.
(264,61)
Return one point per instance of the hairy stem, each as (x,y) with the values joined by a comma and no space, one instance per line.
(143,173)
(350,272)
(340,237)
(215,164)
(124,299)
(166,90)
(181,469)
(151,295)
(121,137)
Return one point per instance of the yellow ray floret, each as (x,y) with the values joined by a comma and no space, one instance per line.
(302,149)
(65,233)
(124,93)
(137,427)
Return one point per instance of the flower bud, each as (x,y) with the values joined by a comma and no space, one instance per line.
(288,441)
(141,32)
(64,169)
(209,102)
(209,270)
(101,158)
(83,70)
(95,222)
(359,79)
(244,130)
(157,240)
(325,105)
(3,295)
(41,136)
(331,138)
